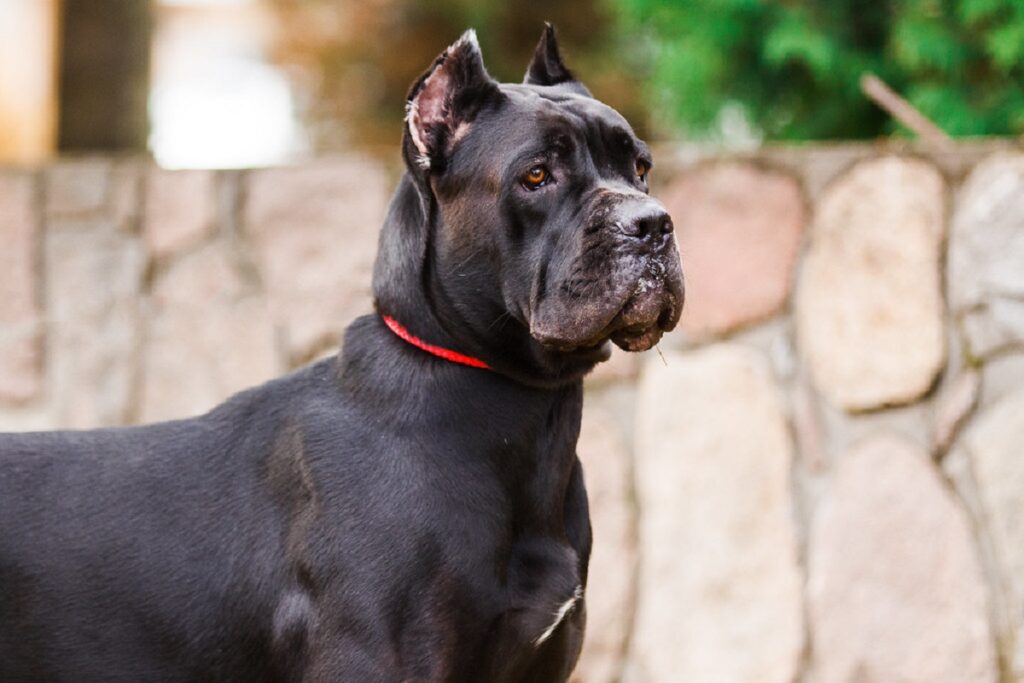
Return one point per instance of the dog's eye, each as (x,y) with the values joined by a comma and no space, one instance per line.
(641,169)
(535,177)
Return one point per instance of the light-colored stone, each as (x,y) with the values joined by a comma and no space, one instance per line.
(958,470)
(955,404)
(817,166)
(315,232)
(31,417)
(1001,376)
(612,576)
(808,428)
(844,430)
(77,187)
(895,589)
(986,256)
(994,445)
(93,284)
(719,596)
(739,229)
(209,335)
(20,324)
(124,203)
(869,303)
(180,211)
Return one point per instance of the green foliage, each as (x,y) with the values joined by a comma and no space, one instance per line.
(793,67)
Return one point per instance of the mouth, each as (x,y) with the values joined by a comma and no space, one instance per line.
(651,308)
(642,336)
(644,318)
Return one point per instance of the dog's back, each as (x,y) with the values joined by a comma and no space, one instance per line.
(137,553)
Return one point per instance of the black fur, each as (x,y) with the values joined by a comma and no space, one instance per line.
(382,515)
(547,67)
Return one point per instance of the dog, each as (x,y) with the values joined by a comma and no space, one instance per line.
(411,509)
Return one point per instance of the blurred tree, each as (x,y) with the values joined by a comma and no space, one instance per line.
(104,75)
(792,68)
(353,61)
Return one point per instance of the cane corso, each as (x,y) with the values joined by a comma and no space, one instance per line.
(411,509)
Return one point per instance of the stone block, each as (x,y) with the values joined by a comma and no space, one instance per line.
(720,585)
(869,309)
(21,332)
(985,277)
(611,585)
(77,187)
(994,448)
(739,228)
(180,209)
(314,231)
(895,588)
(93,286)
(209,335)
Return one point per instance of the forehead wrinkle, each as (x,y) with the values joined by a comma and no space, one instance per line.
(564,100)
(540,113)
(636,146)
(610,145)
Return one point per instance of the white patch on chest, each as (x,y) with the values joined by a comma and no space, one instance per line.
(560,614)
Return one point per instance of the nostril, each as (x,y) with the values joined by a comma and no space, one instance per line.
(653,226)
(646,227)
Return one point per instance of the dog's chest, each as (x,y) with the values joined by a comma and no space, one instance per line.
(518,598)
(527,624)
(544,587)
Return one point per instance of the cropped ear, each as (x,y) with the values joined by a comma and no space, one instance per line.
(443,102)
(547,67)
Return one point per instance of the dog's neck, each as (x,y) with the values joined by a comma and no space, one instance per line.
(403,333)
(529,433)
(407,288)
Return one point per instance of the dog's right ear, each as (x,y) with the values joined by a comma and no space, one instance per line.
(547,67)
(444,101)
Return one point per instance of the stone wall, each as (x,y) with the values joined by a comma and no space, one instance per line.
(820,477)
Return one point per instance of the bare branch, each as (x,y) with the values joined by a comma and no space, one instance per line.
(904,112)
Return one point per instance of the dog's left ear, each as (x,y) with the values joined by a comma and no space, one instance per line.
(547,67)
(444,101)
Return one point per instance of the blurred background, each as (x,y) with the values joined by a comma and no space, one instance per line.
(818,477)
(229,83)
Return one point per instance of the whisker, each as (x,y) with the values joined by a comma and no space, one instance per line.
(503,316)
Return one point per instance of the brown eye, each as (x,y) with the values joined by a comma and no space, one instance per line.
(536,176)
(641,170)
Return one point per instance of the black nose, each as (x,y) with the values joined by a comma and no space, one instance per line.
(650,227)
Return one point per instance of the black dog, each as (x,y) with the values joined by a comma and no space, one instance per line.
(389,514)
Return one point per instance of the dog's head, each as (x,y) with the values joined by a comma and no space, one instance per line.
(536,197)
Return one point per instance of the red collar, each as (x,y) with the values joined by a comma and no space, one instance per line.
(447,354)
